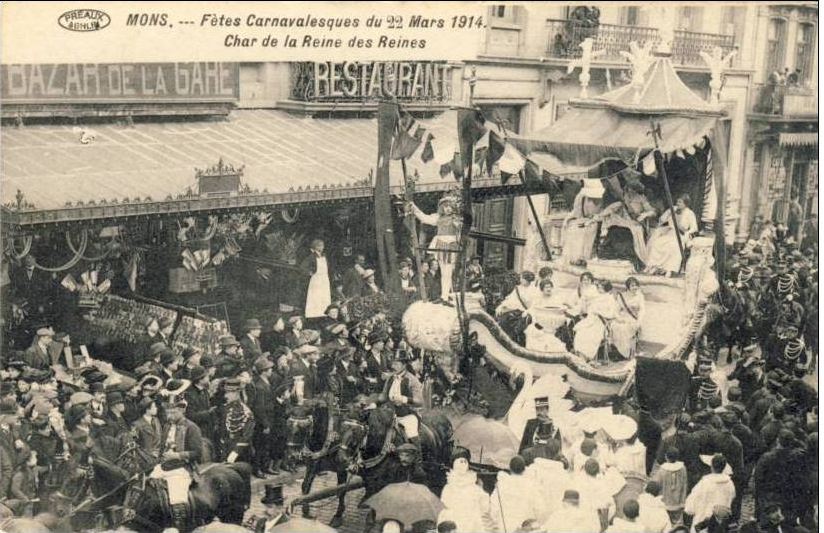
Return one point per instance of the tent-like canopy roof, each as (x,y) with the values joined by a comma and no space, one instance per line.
(618,124)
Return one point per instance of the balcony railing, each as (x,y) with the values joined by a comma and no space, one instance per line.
(565,36)
(785,100)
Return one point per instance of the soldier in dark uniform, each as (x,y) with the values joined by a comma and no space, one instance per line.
(236,425)
(539,431)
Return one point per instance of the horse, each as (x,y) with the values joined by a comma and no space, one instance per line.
(725,322)
(371,448)
(104,484)
(320,442)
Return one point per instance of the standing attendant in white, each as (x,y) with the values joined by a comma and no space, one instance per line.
(319,292)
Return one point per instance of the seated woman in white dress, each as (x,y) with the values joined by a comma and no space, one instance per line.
(663,253)
(627,327)
(581,226)
(592,330)
(585,293)
(510,311)
(547,315)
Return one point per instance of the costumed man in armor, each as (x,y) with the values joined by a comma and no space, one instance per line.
(236,426)
(448,221)
(629,213)
(181,448)
(580,227)
(319,291)
(405,392)
(273,512)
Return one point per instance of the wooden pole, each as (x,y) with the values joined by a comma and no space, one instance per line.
(659,164)
(387,118)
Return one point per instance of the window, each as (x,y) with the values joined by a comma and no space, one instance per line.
(689,18)
(804,51)
(732,22)
(504,13)
(630,16)
(776,35)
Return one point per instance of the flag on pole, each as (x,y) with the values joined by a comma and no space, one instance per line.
(470,130)
(495,150)
(511,161)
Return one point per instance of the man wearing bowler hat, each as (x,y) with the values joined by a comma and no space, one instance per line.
(405,393)
(262,403)
(230,357)
(250,342)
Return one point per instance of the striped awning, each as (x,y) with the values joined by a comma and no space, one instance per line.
(798,139)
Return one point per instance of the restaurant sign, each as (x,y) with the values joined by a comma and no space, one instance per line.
(330,81)
(128,82)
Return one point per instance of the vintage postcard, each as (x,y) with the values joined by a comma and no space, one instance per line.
(409,267)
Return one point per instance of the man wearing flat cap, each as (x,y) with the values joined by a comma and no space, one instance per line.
(250,342)
(262,403)
(37,355)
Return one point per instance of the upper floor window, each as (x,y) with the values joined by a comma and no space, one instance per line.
(689,18)
(776,37)
(732,22)
(504,13)
(805,47)
(631,16)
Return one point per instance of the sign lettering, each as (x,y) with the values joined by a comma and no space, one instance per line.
(359,81)
(68,83)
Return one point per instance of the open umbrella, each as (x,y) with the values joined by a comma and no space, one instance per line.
(405,502)
(490,442)
(296,524)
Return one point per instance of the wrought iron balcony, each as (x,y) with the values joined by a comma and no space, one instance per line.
(785,100)
(565,36)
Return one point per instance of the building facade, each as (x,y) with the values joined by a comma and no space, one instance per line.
(524,74)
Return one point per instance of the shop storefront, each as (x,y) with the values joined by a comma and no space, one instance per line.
(207,214)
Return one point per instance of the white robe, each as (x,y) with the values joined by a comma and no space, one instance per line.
(571,519)
(712,490)
(466,502)
(514,501)
(653,514)
(319,293)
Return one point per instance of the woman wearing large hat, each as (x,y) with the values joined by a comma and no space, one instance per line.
(580,228)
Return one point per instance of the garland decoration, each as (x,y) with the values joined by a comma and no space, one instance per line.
(85,257)
(78,255)
(27,242)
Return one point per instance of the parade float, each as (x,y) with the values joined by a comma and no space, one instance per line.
(648,131)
